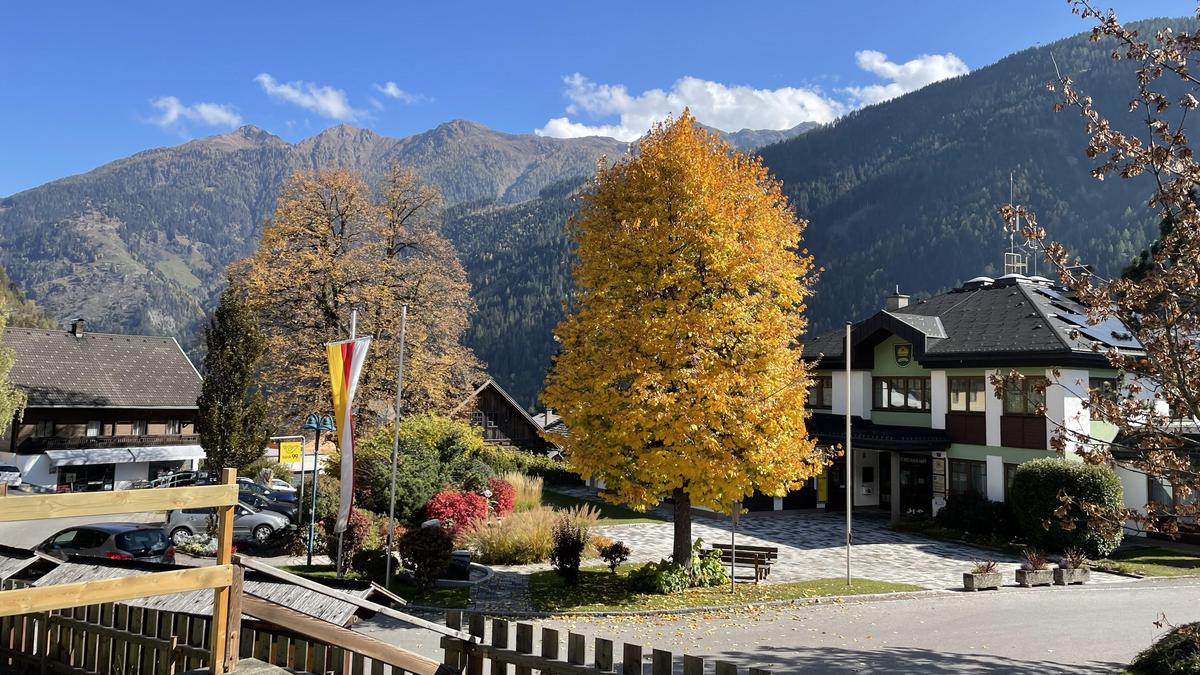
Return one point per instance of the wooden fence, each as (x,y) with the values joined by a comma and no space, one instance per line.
(512,644)
(51,600)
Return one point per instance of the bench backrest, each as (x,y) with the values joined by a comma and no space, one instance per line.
(771,553)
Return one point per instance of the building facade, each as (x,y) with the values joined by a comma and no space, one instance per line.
(104,412)
(504,422)
(928,422)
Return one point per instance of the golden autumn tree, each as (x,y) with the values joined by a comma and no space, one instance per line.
(680,373)
(334,245)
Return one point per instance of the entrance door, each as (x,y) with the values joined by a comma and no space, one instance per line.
(916,485)
(836,477)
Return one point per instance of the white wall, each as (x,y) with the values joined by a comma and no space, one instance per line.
(35,469)
(860,393)
(993,408)
(862,459)
(1137,494)
(1065,398)
(995,478)
(939,398)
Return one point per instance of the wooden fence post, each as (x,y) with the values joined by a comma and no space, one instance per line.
(661,664)
(725,668)
(524,646)
(604,655)
(219,638)
(576,649)
(452,648)
(631,659)
(476,627)
(549,644)
(500,641)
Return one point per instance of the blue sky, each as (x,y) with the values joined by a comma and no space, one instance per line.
(85,83)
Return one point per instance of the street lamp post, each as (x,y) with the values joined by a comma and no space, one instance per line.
(317,423)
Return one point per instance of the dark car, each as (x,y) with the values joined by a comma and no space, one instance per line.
(245,484)
(262,503)
(116,541)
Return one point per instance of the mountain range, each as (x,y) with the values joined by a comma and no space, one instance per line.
(899,193)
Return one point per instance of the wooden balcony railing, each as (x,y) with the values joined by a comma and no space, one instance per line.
(101,442)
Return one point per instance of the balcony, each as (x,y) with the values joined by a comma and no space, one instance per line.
(32,445)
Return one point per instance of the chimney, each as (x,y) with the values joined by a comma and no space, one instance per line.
(896,300)
(77,327)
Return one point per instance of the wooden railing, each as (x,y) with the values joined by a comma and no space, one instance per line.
(102,442)
(503,647)
(223,578)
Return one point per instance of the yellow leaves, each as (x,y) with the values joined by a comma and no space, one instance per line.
(679,365)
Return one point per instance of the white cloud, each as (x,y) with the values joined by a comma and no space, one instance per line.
(322,100)
(172,112)
(727,107)
(393,90)
(905,77)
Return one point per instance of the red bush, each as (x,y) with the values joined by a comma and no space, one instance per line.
(457,509)
(503,495)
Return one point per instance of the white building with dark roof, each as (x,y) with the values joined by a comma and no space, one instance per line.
(104,411)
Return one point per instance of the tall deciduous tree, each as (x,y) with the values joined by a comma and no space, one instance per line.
(12,400)
(232,415)
(1156,407)
(333,245)
(680,374)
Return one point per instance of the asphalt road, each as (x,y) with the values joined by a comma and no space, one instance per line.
(1055,631)
(30,533)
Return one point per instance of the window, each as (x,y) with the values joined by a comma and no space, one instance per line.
(820,392)
(139,428)
(477,418)
(45,429)
(1026,397)
(1106,387)
(173,427)
(966,394)
(907,394)
(93,428)
(1010,470)
(968,476)
(490,418)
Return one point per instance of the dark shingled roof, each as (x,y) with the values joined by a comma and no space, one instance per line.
(1012,320)
(57,369)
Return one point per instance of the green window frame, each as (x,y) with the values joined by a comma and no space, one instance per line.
(902,394)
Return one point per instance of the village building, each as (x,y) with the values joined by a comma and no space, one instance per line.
(927,423)
(505,423)
(103,411)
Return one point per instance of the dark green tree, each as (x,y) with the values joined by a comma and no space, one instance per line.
(232,420)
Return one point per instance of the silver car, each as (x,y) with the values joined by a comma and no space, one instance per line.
(10,475)
(247,522)
(116,541)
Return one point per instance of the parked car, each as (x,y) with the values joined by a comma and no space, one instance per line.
(10,475)
(273,495)
(262,503)
(247,522)
(278,485)
(117,541)
(182,478)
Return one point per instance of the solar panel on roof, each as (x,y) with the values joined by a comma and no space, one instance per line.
(1110,331)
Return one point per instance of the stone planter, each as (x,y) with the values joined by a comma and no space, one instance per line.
(1064,577)
(1029,578)
(982,582)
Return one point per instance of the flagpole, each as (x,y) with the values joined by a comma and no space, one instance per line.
(342,534)
(387,574)
(849,460)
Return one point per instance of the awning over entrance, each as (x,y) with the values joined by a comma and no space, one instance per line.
(831,430)
(85,456)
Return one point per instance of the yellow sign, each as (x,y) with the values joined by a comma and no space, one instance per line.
(290,452)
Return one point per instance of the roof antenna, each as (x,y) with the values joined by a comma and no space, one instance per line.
(1014,262)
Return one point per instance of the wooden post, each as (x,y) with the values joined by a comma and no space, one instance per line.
(500,641)
(549,644)
(475,626)
(234,629)
(693,665)
(631,660)
(524,646)
(604,655)
(726,668)
(219,638)
(452,648)
(661,662)
(576,649)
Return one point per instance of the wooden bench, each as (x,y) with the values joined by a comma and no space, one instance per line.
(760,558)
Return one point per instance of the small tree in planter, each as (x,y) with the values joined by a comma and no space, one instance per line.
(1072,568)
(985,575)
(1035,570)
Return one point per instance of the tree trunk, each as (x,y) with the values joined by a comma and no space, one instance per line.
(683,527)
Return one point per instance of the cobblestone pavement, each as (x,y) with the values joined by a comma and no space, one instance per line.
(812,546)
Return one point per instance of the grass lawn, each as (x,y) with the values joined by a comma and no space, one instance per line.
(449,598)
(610,514)
(601,590)
(1153,562)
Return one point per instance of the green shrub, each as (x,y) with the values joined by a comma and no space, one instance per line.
(975,514)
(371,564)
(1035,498)
(510,460)
(570,538)
(471,474)
(665,576)
(614,554)
(426,551)
(1176,653)
(521,538)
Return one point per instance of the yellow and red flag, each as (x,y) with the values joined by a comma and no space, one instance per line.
(345,365)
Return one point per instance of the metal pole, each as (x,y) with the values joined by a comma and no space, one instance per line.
(312,518)
(387,569)
(733,518)
(342,534)
(849,461)
(299,497)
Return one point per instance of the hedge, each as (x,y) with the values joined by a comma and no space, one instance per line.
(1176,653)
(1034,496)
